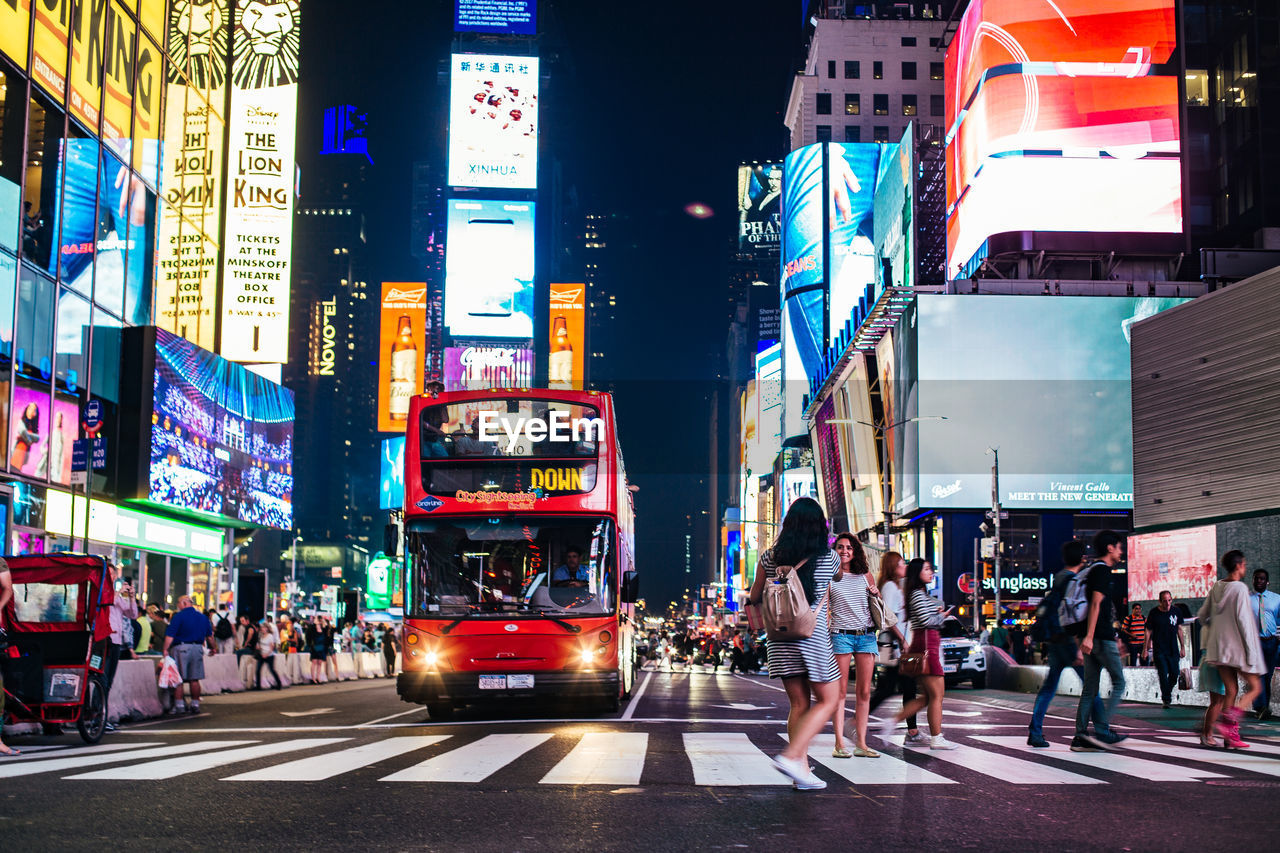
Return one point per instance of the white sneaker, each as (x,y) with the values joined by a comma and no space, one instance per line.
(886,730)
(941,742)
(917,739)
(812,783)
(797,771)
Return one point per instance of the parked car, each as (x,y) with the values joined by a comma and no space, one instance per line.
(962,656)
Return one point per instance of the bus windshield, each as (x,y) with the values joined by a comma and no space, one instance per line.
(546,429)
(462,567)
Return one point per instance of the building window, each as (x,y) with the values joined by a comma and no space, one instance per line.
(831,68)
(908,71)
(852,133)
(877,70)
(937,70)
(937,105)
(934,42)
(823,103)
(824,133)
(880,133)
(908,41)
(881,104)
(908,105)
(852,104)
(852,69)
(1197,87)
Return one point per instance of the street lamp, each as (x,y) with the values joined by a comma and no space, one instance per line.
(883,428)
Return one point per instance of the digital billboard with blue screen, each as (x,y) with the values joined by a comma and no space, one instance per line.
(391,492)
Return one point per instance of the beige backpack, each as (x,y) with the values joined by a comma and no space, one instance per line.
(786,610)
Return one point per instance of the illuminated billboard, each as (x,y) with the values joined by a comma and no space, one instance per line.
(1184,562)
(1061,118)
(1051,390)
(501,17)
(481,366)
(324,338)
(402,345)
(493,122)
(256,254)
(391,492)
(568,343)
(759,209)
(489,269)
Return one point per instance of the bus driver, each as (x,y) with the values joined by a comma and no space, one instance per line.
(572,573)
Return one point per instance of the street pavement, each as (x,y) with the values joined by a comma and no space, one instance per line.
(682,766)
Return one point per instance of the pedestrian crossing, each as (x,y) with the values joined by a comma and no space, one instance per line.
(731,759)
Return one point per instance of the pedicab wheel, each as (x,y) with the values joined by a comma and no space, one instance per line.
(440,711)
(93,716)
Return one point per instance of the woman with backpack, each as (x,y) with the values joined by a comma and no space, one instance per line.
(927,615)
(853,639)
(1229,634)
(805,665)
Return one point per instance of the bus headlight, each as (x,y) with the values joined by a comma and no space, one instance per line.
(588,656)
(430,658)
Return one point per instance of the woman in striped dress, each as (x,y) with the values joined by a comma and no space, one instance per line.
(809,665)
(853,638)
(927,615)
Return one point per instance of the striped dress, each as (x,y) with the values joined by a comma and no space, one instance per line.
(811,657)
(849,608)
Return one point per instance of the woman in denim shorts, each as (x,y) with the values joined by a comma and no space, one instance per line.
(853,636)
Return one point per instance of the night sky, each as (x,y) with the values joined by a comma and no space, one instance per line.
(672,97)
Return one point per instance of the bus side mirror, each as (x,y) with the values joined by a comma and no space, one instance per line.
(630,587)
(391,540)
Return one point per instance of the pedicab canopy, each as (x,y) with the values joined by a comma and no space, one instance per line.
(59,592)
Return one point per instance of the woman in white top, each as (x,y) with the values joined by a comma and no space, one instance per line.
(893,569)
(853,637)
(1230,638)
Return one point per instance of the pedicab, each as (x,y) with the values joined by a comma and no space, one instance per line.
(57,631)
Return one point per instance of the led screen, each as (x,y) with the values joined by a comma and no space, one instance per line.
(566,359)
(1061,117)
(489,269)
(504,17)
(402,349)
(221,437)
(1184,562)
(493,122)
(479,367)
(759,209)
(1046,381)
(391,494)
(41,433)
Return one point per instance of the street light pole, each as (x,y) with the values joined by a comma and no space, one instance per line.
(995,522)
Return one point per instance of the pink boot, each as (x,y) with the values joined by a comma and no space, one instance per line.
(1229,728)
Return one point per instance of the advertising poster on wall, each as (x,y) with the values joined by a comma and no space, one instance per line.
(760,209)
(41,434)
(402,343)
(15,21)
(500,17)
(1084,110)
(1184,562)
(1052,391)
(493,121)
(84,94)
(568,344)
(480,366)
(259,238)
(489,263)
(391,492)
(49,46)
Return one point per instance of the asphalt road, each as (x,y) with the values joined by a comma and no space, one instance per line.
(681,767)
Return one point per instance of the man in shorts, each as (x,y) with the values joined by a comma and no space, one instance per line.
(188,633)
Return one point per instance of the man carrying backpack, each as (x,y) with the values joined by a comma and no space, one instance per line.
(1063,651)
(1098,644)
(224,632)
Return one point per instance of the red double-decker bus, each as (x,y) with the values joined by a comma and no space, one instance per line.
(519,550)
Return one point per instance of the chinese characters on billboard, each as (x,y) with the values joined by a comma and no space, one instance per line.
(567,347)
(259,238)
(489,269)
(1061,118)
(402,343)
(493,122)
(759,209)
(1184,562)
(480,366)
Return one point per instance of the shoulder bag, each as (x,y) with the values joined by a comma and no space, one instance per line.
(883,618)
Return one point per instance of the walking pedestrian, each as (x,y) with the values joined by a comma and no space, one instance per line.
(318,645)
(806,666)
(927,615)
(1233,646)
(188,632)
(224,631)
(389,648)
(268,641)
(1133,630)
(1266,604)
(6,593)
(853,638)
(1164,641)
(889,681)
(1063,651)
(1099,648)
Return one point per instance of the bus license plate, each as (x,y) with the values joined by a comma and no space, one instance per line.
(950,667)
(520,682)
(493,682)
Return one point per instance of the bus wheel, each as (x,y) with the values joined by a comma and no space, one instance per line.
(440,711)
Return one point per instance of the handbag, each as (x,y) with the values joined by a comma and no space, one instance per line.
(883,618)
(914,662)
(1184,679)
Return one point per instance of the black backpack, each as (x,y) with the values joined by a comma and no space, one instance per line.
(223,630)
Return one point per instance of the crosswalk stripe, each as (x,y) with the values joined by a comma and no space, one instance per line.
(885,770)
(729,758)
(1153,771)
(1016,771)
(171,767)
(1222,758)
(1254,746)
(602,758)
(29,752)
(473,762)
(50,765)
(332,764)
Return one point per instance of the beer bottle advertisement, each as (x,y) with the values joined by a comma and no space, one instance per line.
(567,339)
(402,343)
